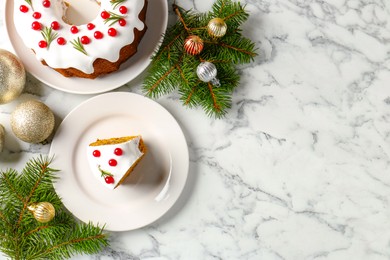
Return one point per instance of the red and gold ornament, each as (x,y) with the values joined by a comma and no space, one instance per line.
(193,45)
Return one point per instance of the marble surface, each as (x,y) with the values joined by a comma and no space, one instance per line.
(299,169)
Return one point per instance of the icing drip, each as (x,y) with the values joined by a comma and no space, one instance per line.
(65,54)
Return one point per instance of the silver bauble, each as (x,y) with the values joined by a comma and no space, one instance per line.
(12,77)
(207,72)
(32,121)
(2,138)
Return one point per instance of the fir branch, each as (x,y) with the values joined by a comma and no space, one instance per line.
(78,45)
(173,69)
(115,3)
(48,35)
(114,18)
(21,236)
(43,169)
(217,108)
(89,244)
(179,14)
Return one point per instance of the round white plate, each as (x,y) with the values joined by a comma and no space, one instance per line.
(156,20)
(151,189)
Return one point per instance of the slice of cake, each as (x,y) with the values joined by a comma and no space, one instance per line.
(112,160)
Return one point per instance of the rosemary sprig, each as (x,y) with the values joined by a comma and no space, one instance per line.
(78,45)
(28,2)
(115,3)
(104,173)
(114,18)
(48,35)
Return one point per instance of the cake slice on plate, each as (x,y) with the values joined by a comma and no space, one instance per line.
(112,160)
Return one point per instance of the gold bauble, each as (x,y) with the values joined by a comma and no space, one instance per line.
(193,45)
(43,211)
(2,137)
(12,77)
(217,27)
(32,121)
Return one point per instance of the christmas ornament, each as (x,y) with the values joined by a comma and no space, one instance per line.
(2,138)
(193,45)
(32,121)
(207,72)
(43,211)
(217,27)
(12,77)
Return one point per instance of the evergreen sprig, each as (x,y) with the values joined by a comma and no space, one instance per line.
(23,237)
(173,69)
(48,35)
(28,2)
(114,18)
(115,3)
(78,45)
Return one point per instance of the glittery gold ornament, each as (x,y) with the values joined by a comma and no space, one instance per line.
(32,121)
(43,211)
(217,27)
(12,77)
(193,45)
(2,138)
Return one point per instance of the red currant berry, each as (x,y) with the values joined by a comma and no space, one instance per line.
(98,35)
(112,162)
(105,15)
(122,22)
(112,32)
(23,9)
(36,26)
(61,41)
(55,25)
(118,151)
(74,29)
(85,40)
(37,15)
(42,44)
(46,3)
(96,153)
(123,9)
(90,26)
(109,179)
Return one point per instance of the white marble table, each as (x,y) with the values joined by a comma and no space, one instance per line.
(299,169)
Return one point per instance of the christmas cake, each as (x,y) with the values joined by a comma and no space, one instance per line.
(89,50)
(112,160)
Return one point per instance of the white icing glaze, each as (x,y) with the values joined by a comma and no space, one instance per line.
(66,56)
(131,153)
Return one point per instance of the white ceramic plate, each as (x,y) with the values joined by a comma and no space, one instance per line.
(156,20)
(153,187)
